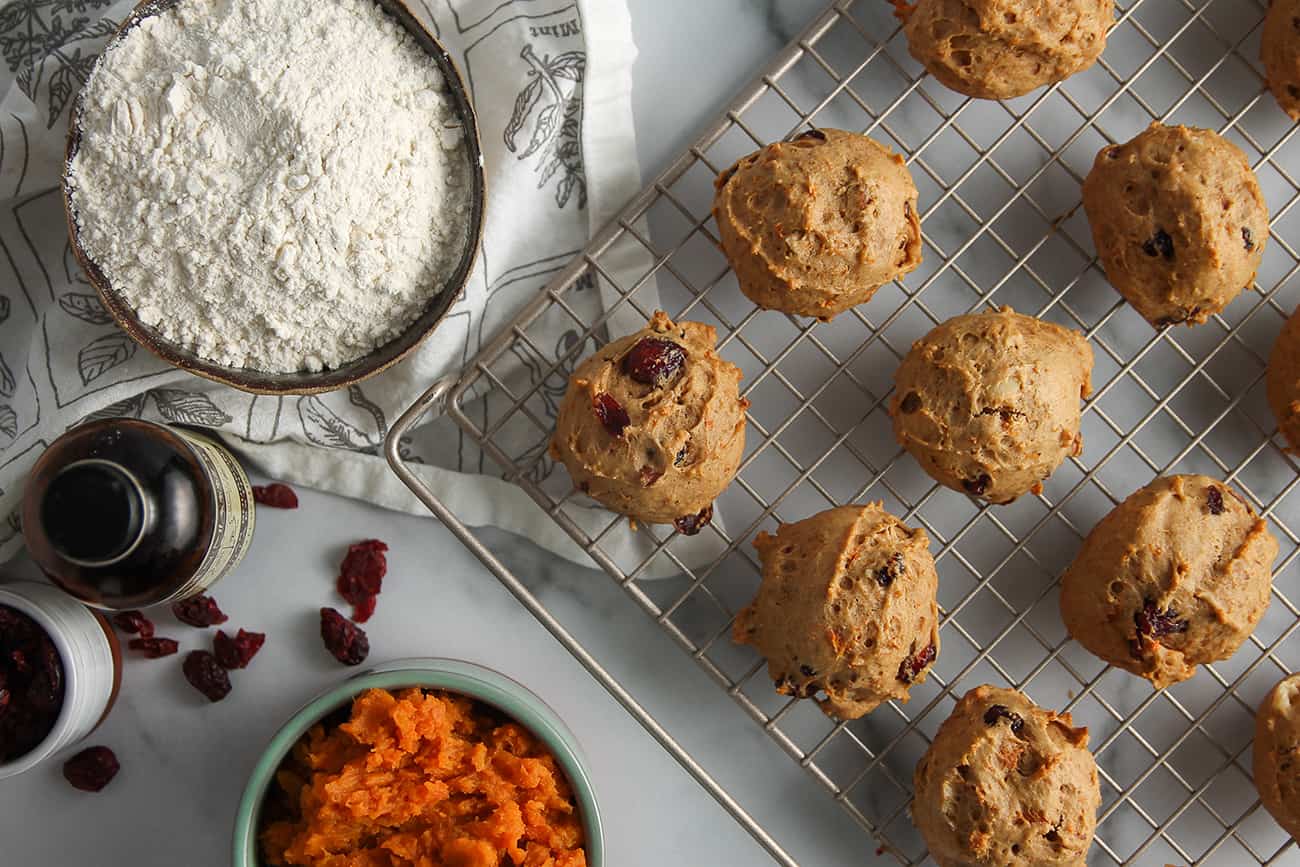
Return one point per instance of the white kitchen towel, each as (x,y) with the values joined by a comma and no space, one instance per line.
(551,82)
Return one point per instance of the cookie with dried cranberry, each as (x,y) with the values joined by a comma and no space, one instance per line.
(1282,379)
(653,424)
(1178,220)
(999,49)
(1277,754)
(988,403)
(1280,52)
(1174,577)
(815,226)
(846,612)
(1006,783)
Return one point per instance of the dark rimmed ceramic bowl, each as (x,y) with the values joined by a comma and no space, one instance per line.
(452,675)
(261,382)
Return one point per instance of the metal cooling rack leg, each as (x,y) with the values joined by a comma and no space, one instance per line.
(433,399)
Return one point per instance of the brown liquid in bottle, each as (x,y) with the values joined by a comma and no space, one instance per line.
(124,513)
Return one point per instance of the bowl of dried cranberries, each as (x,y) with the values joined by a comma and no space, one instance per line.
(438,760)
(60,670)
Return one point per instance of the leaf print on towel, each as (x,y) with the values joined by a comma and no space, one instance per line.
(325,427)
(8,385)
(188,407)
(85,307)
(358,398)
(34,35)
(102,355)
(132,407)
(551,102)
(8,421)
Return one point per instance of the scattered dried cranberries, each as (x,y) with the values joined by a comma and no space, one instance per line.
(154,648)
(1248,237)
(237,651)
(977,487)
(275,495)
(91,769)
(361,577)
(206,675)
(133,623)
(343,638)
(1000,711)
(611,413)
(891,571)
(1214,500)
(912,667)
(654,361)
(690,525)
(1156,624)
(201,611)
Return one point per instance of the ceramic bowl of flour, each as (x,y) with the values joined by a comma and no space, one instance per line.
(158,257)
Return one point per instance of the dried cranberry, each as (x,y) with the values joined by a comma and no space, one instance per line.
(1000,711)
(361,576)
(680,458)
(654,361)
(977,487)
(154,648)
(814,134)
(91,769)
(275,495)
(18,662)
(206,675)
(1248,237)
(1160,244)
(910,403)
(133,623)
(912,667)
(1214,500)
(343,638)
(649,475)
(807,671)
(891,571)
(237,651)
(1156,624)
(690,525)
(611,413)
(201,611)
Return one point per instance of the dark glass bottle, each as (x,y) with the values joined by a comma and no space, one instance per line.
(123,513)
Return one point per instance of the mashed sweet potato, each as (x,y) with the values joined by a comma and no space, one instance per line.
(426,779)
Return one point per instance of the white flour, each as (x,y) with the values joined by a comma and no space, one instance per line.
(276,184)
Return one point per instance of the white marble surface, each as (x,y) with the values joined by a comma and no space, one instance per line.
(185,761)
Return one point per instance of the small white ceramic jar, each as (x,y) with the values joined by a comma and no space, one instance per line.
(92,665)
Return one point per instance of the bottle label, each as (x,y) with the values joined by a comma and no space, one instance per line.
(233,511)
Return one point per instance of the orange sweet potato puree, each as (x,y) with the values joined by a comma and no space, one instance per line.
(425,779)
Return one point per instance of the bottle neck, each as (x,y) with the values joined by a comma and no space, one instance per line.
(95,513)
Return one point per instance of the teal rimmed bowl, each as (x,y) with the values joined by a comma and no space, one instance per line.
(492,688)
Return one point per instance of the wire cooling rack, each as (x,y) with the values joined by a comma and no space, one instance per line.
(999,194)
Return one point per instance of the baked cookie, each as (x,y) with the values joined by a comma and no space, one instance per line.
(1280,51)
(999,49)
(1175,576)
(653,425)
(846,612)
(816,225)
(1006,783)
(988,403)
(1178,220)
(1282,380)
(1276,763)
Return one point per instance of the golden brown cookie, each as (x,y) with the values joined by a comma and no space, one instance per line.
(1174,577)
(816,225)
(1006,783)
(653,424)
(999,49)
(1277,754)
(988,403)
(1282,379)
(846,613)
(1280,51)
(1178,220)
